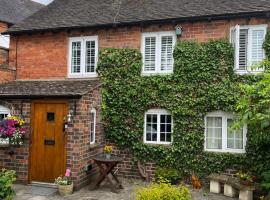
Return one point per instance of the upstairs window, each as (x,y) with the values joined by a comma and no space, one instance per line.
(157,50)
(83,52)
(158,127)
(220,137)
(248,44)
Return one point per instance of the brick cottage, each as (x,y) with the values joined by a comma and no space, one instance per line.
(55,54)
(12,12)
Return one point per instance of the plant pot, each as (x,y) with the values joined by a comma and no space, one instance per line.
(246,183)
(65,189)
(107,155)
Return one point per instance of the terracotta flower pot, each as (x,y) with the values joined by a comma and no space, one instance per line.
(65,189)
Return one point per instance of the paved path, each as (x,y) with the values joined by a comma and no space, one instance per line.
(104,193)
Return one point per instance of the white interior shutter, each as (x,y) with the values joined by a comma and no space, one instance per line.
(90,56)
(243,49)
(166,53)
(150,53)
(235,42)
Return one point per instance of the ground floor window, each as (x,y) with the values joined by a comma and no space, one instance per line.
(93,126)
(219,136)
(158,127)
(4,112)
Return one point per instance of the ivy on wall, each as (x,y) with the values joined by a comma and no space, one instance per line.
(203,81)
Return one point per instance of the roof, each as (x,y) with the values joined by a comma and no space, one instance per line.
(56,88)
(90,13)
(14,11)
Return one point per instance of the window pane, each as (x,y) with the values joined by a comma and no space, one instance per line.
(214,132)
(150,54)
(3,116)
(235,137)
(76,57)
(166,53)
(257,46)
(151,127)
(165,128)
(90,56)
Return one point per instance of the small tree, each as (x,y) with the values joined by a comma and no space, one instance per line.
(253,107)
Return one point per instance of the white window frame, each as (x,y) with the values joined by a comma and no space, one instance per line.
(93,111)
(5,111)
(224,116)
(157,112)
(249,47)
(158,36)
(82,73)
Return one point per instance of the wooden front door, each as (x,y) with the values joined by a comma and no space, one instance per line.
(48,154)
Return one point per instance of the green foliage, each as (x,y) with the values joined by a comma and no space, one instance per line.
(203,81)
(170,174)
(163,191)
(7,178)
(266,45)
(266,180)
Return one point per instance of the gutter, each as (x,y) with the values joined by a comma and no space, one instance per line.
(171,20)
(12,96)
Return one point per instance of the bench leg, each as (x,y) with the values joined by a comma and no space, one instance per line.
(245,195)
(229,191)
(215,187)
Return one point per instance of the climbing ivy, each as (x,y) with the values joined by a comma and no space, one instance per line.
(203,81)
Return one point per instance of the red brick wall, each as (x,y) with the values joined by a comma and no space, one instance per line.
(3,27)
(5,73)
(79,150)
(41,56)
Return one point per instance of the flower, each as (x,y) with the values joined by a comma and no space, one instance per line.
(108,149)
(66,180)
(11,128)
(68,173)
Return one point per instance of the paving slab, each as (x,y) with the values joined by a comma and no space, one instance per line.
(105,193)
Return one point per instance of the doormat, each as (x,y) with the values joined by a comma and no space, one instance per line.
(41,191)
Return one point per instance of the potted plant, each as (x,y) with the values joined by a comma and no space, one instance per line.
(65,184)
(11,128)
(246,178)
(108,150)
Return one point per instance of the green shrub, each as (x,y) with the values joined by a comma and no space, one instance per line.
(163,191)
(266,181)
(7,178)
(170,174)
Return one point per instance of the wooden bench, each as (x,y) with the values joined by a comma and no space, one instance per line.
(231,187)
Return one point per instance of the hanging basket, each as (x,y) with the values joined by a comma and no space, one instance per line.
(65,190)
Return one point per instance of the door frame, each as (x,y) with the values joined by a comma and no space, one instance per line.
(49,101)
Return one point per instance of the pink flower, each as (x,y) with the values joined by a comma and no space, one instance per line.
(68,173)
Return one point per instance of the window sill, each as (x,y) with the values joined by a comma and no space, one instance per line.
(243,72)
(83,75)
(156,73)
(93,145)
(233,151)
(158,144)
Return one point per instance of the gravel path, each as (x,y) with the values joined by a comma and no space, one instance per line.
(104,193)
